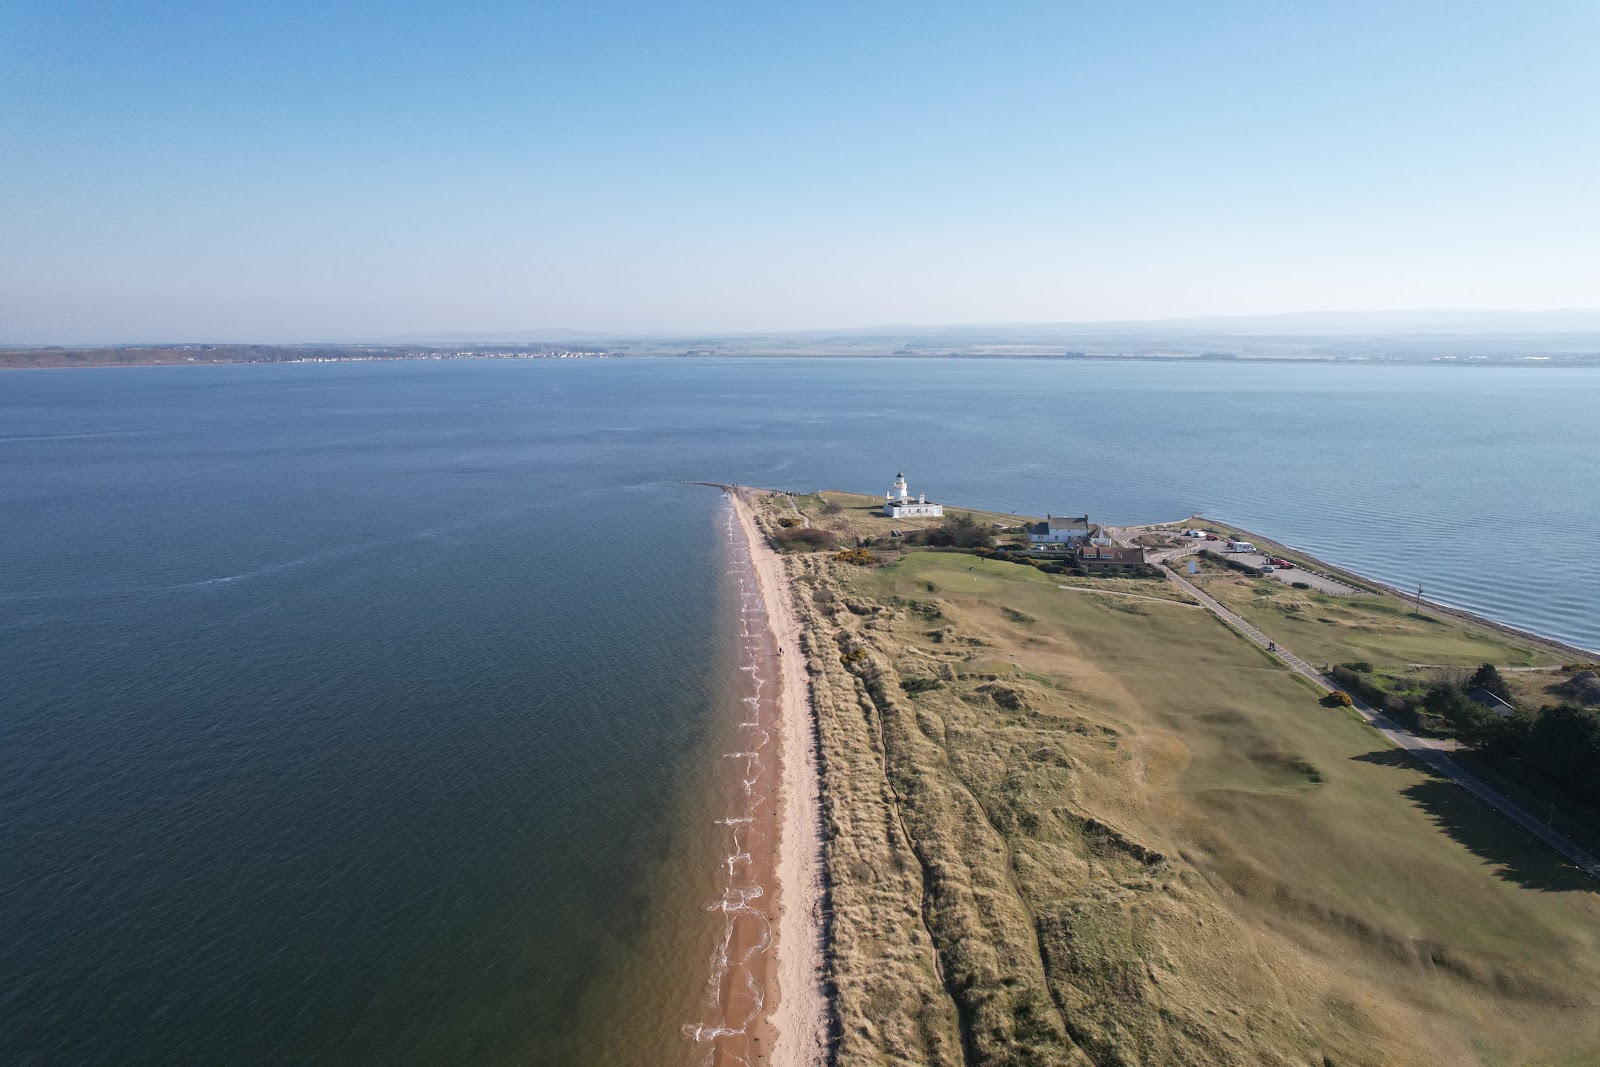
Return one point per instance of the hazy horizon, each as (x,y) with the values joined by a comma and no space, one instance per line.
(1395,323)
(180,172)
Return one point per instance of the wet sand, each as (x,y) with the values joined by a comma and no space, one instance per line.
(799,1016)
(764,1006)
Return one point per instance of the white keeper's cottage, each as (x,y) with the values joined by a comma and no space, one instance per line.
(897,502)
(1056,530)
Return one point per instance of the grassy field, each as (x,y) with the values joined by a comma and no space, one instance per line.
(1379,628)
(852,515)
(1069,828)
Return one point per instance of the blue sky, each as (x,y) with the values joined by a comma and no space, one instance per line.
(282,171)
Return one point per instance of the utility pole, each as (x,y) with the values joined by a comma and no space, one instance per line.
(1419,600)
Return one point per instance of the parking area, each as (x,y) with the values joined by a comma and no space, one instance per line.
(1293,574)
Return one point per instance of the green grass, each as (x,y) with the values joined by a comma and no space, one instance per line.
(1142,820)
(1380,629)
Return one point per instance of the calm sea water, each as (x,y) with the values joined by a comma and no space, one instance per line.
(364,712)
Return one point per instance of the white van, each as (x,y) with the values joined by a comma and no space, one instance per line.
(1241,546)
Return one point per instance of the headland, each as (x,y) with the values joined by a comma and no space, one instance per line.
(1075,812)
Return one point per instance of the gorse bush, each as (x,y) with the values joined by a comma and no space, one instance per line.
(859,556)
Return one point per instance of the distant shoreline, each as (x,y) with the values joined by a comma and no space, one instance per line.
(91,358)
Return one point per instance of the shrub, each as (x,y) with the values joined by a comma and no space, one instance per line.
(1300,585)
(961,531)
(1338,699)
(1233,564)
(1368,689)
(805,539)
(920,685)
(786,523)
(1360,666)
(859,556)
(831,507)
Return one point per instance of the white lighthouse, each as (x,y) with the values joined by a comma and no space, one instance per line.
(897,502)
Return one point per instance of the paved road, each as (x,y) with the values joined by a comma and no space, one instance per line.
(1430,751)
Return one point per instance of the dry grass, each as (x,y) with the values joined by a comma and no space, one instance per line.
(1378,628)
(1060,831)
(852,515)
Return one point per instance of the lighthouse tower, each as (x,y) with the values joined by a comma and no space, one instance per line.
(897,502)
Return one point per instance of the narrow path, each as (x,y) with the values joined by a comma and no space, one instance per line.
(1135,596)
(1430,751)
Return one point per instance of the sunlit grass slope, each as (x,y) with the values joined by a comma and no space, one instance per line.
(1068,828)
(1379,628)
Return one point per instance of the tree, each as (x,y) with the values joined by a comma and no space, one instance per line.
(1565,744)
(1465,716)
(1488,678)
(964,531)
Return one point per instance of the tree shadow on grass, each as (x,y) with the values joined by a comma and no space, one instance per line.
(1517,855)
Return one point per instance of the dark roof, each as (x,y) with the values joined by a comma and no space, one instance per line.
(1111,554)
(1491,701)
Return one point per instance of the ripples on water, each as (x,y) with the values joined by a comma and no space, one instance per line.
(361,712)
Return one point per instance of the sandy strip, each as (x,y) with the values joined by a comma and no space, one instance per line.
(799,1003)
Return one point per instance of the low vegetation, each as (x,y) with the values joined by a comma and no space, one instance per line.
(805,539)
(1377,628)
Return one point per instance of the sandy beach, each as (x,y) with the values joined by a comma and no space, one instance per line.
(796,1002)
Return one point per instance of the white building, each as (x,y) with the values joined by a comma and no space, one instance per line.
(897,502)
(1059,531)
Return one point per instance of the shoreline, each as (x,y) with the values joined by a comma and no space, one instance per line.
(795,1018)
(1359,579)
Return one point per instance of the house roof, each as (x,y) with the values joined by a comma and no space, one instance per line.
(1055,522)
(1491,701)
(1111,553)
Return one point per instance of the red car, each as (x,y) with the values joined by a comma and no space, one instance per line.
(1276,562)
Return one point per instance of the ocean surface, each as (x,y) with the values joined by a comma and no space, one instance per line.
(369,712)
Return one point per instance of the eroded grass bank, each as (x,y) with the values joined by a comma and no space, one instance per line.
(1079,829)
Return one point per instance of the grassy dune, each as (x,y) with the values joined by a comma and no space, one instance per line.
(1067,828)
